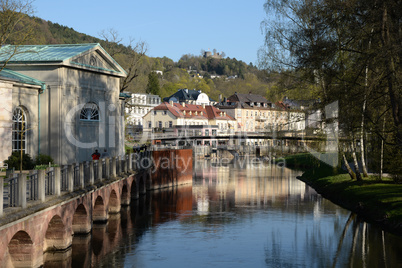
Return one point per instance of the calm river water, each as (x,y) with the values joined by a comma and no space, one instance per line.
(244,214)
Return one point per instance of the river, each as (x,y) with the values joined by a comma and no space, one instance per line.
(243,214)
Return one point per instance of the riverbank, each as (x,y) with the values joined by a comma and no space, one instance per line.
(378,202)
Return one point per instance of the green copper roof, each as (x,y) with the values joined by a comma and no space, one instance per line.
(52,54)
(124,95)
(43,53)
(9,74)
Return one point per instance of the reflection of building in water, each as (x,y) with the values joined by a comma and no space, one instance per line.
(244,183)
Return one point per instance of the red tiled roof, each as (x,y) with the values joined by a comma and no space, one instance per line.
(215,113)
(177,109)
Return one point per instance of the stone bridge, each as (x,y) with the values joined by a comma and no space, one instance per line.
(68,202)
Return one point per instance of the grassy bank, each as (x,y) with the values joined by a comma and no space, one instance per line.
(376,201)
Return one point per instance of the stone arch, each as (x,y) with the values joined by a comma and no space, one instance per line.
(56,236)
(99,213)
(134,189)
(125,196)
(22,250)
(114,202)
(81,221)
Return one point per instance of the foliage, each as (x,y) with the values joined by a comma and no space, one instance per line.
(153,84)
(350,51)
(41,167)
(43,159)
(14,160)
(15,26)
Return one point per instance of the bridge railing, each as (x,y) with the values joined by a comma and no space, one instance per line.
(20,188)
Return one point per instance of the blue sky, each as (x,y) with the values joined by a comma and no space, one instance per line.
(171,28)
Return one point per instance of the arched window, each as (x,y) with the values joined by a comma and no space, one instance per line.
(90,112)
(19,130)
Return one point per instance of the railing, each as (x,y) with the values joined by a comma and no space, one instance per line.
(49,182)
(18,189)
(64,178)
(32,186)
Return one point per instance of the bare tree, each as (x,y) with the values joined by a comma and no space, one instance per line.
(14,28)
(133,52)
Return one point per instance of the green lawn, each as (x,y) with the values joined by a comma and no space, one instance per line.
(378,201)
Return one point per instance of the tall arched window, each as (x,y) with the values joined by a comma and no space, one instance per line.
(90,112)
(19,130)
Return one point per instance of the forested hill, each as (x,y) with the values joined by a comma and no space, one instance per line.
(212,75)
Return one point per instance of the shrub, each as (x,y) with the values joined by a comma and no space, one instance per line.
(43,159)
(14,161)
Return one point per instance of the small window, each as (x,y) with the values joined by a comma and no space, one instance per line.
(165,112)
(207,132)
(170,123)
(90,112)
(160,124)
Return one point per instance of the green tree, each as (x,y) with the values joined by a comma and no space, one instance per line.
(15,26)
(350,50)
(153,84)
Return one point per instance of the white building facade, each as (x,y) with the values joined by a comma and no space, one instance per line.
(137,107)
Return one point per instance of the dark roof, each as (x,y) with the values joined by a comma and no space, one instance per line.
(247,98)
(183,95)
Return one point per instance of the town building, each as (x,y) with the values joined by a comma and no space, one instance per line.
(137,106)
(61,100)
(255,114)
(190,96)
(188,120)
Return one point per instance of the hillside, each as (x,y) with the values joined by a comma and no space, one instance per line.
(213,76)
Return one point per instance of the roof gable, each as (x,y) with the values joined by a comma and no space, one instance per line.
(87,56)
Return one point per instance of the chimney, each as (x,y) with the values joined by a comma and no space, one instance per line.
(171,102)
(220,98)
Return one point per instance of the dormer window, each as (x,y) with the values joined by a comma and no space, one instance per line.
(184,112)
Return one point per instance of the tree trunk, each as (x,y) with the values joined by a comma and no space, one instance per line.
(365,173)
(355,163)
(350,171)
(382,151)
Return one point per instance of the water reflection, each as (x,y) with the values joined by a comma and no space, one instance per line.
(238,214)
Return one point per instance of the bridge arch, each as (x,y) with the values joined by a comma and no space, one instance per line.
(57,236)
(99,213)
(81,220)
(114,202)
(22,250)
